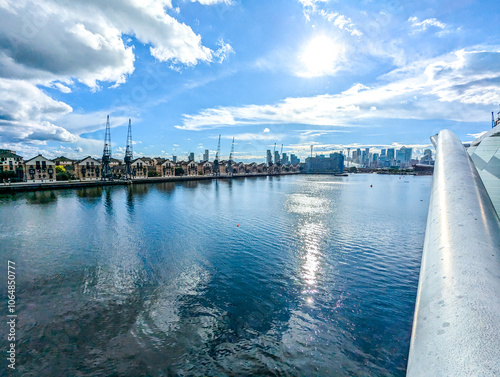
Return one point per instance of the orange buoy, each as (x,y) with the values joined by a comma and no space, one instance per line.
(237,225)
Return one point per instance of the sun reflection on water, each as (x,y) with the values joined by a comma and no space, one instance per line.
(311,234)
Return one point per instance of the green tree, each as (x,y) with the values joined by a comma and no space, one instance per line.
(60,169)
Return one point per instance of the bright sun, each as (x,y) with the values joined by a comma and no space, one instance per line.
(320,57)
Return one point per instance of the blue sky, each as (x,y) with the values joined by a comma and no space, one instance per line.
(299,72)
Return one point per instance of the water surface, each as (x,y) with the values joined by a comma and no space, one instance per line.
(288,276)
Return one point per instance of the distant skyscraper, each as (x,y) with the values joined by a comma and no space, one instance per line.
(276,157)
(408,153)
(390,154)
(206,155)
(191,156)
(174,158)
(269,157)
(427,157)
(294,160)
(401,156)
(382,152)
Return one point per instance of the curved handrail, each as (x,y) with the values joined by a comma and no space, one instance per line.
(456,327)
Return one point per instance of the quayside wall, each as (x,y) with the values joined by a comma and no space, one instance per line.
(36,186)
(456,328)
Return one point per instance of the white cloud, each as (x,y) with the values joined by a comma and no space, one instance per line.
(61,87)
(266,130)
(212,2)
(253,136)
(223,51)
(420,26)
(27,113)
(57,43)
(478,135)
(456,87)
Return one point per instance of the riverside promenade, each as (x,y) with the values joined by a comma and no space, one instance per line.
(55,185)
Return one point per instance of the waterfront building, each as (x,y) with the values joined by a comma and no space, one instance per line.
(63,161)
(10,161)
(159,161)
(262,168)
(191,156)
(252,167)
(150,163)
(294,160)
(206,155)
(166,168)
(88,168)
(40,168)
(189,167)
(238,168)
(205,168)
(223,166)
(284,159)
(322,164)
(139,168)
(115,162)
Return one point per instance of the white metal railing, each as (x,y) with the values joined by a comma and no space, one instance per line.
(456,328)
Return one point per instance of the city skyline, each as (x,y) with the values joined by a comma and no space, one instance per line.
(297,73)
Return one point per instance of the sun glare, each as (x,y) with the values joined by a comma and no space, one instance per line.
(321,57)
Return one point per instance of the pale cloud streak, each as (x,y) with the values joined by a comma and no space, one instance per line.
(458,87)
(253,136)
(212,2)
(420,26)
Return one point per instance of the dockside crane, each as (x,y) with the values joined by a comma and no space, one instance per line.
(106,154)
(216,161)
(129,156)
(230,161)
